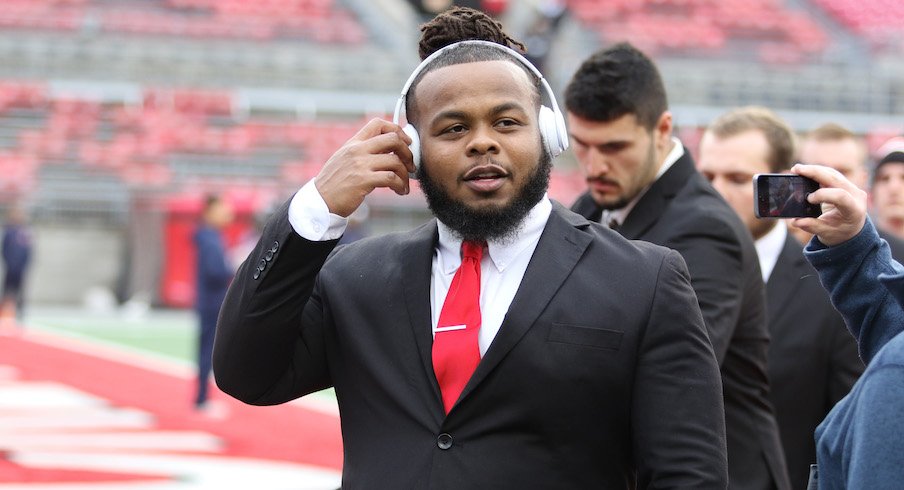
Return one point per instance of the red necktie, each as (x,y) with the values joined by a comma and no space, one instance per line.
(455,348)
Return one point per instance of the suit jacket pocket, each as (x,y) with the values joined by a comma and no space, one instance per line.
(599,338)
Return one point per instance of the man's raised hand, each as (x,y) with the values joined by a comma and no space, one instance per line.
(377,156)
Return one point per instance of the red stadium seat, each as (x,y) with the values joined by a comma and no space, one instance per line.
(704,25)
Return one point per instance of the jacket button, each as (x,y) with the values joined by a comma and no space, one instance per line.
(262,265)
(268,256)
(275,247)
(257,274)
(444,441)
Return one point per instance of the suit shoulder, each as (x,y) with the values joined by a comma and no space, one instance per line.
(617,247)
(378,251)
(699,208)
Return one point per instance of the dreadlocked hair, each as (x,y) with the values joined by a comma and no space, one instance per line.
(462,24)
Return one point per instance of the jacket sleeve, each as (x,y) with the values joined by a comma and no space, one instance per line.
(269,345)
(677,406)
(850,272)
(714,260)
(845,366)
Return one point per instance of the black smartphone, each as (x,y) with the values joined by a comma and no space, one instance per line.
(784,196)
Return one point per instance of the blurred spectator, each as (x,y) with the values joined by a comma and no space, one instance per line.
(835,146)
(888,189)
(213,278)
(542,31)
(860,443)
(813,360)
(17,245)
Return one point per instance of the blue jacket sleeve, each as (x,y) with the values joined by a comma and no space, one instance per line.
(866,286)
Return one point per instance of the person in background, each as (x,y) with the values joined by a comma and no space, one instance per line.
(214,274)
(888,191)
(643,182)
(17,250)
(835,146)
(507,343)
(813,360)
(860,443)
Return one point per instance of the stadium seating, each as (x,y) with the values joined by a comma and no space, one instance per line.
(323,21)
(878,21)
(779,33)
(176,139)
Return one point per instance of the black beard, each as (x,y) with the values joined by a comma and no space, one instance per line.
(494,223)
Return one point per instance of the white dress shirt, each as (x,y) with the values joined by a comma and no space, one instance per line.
(770,246)
(620,214)
(501,270)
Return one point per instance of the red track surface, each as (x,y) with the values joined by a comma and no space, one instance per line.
(288,433)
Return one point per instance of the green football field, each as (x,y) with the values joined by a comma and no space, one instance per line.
(159,333)
(164,334)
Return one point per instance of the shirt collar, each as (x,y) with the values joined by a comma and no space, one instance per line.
(769,247)
(501,252)
(673,156)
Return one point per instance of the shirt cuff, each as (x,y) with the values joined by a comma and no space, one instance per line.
(311,218)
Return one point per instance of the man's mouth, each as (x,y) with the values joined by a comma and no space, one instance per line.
(602,185)
(485,178)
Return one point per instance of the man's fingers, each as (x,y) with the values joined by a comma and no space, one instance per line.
(392,180)
(391,143)
(376,127)
(840,199)
(397,129)
(390,163)
(826,176)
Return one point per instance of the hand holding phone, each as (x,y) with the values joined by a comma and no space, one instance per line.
(784,196)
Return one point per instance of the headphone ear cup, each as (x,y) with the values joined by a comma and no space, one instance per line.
(415,145)
(554,138)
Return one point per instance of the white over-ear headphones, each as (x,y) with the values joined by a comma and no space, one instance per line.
(551,121)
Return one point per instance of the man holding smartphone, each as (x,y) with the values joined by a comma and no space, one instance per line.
(835,146)
(813,360)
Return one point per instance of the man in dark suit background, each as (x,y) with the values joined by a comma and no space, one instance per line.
(214,272)
(813,360)
(594,366)
(642,181)
(16,252)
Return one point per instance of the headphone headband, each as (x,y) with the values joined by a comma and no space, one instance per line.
(551,123)
(473,42)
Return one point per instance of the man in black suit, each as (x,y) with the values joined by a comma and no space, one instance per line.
(836,146)
(593,368)
(813,360)
(642,181)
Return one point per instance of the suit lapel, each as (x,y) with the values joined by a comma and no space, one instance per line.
(560,247)
(654,202)
(416,260)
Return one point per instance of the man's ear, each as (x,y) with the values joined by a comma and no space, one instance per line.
(663,129)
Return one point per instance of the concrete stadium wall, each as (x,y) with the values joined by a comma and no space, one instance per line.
(72,263)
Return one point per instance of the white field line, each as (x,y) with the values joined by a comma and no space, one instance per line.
(152,362)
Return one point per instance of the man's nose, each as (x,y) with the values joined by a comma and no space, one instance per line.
(482,141)
(595,163)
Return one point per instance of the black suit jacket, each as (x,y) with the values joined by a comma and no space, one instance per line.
(601,375)
(682,211)
(813,359)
